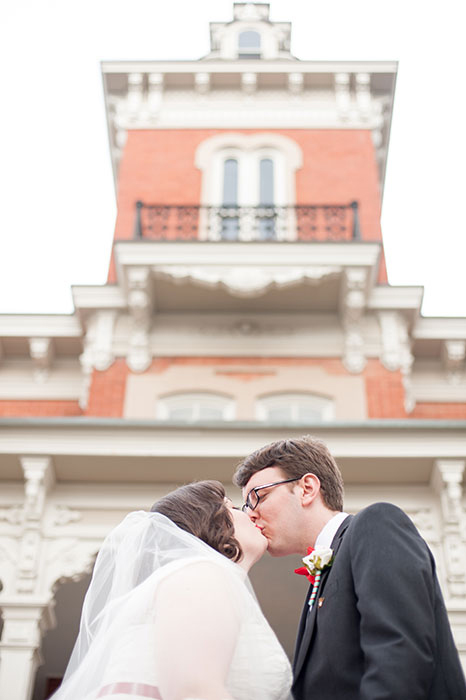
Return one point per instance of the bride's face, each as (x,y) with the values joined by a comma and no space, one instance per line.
(252,541)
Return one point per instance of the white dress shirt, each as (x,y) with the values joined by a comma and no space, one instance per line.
(328,532)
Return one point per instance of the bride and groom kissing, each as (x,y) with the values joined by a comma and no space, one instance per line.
(170,613)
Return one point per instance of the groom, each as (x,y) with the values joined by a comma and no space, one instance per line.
(378,626)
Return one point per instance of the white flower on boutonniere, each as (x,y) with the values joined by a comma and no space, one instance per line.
(318,559)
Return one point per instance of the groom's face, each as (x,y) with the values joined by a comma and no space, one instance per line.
(278,513)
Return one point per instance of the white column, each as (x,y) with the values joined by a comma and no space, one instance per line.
(23,628)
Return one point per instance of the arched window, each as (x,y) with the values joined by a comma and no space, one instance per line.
(229,217)
(249,44)
(294,408)
(254,173)
(194,406)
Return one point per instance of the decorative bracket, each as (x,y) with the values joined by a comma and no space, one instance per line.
(396,351)
(353,305)
(41,351)
(447,480)
(98,349)
(454,352)
(140,305)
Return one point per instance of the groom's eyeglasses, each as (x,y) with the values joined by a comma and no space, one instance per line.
(253,498)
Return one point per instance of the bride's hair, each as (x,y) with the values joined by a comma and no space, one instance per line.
(199,508)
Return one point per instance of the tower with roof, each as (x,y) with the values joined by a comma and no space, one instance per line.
(247,300)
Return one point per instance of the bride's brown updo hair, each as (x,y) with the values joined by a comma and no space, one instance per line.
(200,509)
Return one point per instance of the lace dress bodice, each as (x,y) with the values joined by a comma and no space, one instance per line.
(259,669)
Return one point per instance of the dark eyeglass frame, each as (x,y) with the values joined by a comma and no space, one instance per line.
(247,505)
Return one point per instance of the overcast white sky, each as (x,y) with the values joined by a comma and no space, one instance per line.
(57,201)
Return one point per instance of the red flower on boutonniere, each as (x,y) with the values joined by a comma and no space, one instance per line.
(303,571)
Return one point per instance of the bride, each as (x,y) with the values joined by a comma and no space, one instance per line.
(170,613)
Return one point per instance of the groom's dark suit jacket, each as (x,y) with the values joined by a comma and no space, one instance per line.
(379,628)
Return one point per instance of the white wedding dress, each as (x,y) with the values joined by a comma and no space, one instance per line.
(121,652)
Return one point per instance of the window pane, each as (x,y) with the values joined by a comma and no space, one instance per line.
(266,181)
(210,413)
(279,413)
(230,182)
(191,407)
(181,413)
(266,214)
(249,40)
(295,407)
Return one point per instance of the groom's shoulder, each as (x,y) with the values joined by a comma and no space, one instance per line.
(378,515)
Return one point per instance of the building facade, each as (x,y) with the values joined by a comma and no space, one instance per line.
(247,300)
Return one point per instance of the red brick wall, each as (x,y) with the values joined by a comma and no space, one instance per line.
(384,392)
(39,409)
(448,411)
(339,166)
(384,389)
(107,391)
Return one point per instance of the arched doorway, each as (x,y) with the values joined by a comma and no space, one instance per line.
(58,643)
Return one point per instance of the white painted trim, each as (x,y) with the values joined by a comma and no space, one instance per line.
(238,66)
(245,254)
(440,329)
(59,326)
(398,298)
(81,437)
(98,297)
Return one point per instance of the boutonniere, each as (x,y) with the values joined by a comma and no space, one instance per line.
(317,559)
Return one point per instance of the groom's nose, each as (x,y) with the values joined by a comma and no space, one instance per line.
(253,515)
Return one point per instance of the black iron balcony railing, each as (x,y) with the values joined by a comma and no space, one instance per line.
(308,222)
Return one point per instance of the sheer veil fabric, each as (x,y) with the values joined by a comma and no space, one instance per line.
(155,591)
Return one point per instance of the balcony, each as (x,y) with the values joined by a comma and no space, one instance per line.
(304,222)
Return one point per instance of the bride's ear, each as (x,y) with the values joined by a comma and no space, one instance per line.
(310,488)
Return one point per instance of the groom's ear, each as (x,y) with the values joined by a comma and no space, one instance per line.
(310,485)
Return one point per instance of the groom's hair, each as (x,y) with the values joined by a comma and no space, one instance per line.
(199,508)
(296,458)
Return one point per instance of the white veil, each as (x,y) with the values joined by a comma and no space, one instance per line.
(133,559)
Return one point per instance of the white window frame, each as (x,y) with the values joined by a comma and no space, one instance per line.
(248,150)
(323,404)
(195,400)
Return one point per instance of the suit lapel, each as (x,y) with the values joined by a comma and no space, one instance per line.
(308,617)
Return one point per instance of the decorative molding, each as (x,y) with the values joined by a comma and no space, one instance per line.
(154,94)
(249,83)
(295,83)
(396,351)
(69,559)
(363,94)
(98,349)
(447,480)
(247,281)
(247,11)
(391,350)
(202,83)
(342,94)
(135,94)
(453,354)
(140,306)
(423,519)
(64,515)
(39,479)
(41,351)
(352,306)
(12,514)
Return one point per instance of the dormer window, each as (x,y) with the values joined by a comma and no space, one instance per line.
(249,44)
